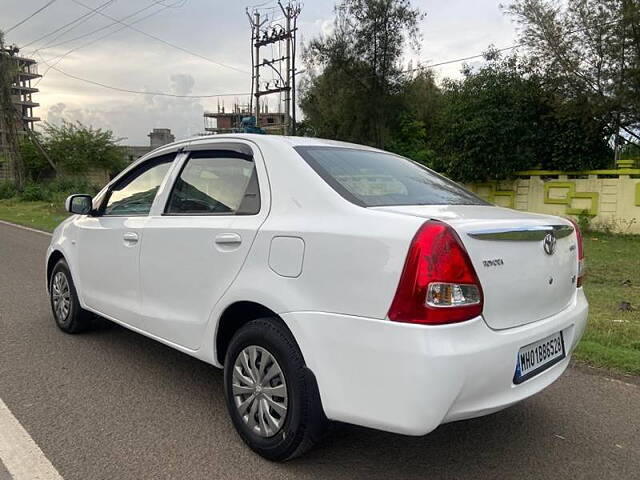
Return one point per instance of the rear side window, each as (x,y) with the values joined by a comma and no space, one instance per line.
(373,179)
(216,182)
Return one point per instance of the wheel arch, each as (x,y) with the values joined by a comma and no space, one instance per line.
(233,318)
(54,257)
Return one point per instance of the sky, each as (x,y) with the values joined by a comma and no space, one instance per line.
(217,35)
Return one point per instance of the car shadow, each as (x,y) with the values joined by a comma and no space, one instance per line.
(495,446)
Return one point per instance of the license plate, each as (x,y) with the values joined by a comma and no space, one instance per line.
(538,356)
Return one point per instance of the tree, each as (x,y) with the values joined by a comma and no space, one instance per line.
(36,166)
(594,47)
(423,98)
(510,114)
(75,149)
(505,117)
(410,140)
(415,127)
(355,77)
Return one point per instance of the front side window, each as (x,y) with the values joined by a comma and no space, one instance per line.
(133,195)
(216,182)
(373,178)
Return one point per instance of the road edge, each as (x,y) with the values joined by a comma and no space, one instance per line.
(23,227)
(625,378)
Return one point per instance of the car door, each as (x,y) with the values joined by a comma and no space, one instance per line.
(109,242)
(196,245)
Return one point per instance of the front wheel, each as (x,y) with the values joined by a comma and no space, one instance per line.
(68,314)
(271,395)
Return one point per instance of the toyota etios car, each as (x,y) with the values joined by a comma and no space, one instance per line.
(329,280)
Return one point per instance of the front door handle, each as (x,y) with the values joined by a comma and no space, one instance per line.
(228,239)
(130,238)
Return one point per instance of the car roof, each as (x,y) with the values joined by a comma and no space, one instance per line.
(259,139)
(290,140)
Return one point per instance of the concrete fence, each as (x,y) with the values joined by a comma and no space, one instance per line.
(609,198)
(98,177)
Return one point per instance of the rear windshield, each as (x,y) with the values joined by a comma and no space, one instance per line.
(373,179)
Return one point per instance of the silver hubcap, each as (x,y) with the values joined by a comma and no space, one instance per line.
(259,391)
(61,296)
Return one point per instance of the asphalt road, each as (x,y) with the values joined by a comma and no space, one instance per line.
(111,404)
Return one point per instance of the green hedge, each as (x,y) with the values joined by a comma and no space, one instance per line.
(52,191)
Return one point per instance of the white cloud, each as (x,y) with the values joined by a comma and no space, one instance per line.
(182,83)
(133,120)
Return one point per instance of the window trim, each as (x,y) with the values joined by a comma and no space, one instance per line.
(228,150)
(132,174)
(238,148)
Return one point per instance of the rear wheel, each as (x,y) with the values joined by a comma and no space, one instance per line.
(68,314)
(271,395)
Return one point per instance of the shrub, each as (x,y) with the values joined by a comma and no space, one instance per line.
(53,191)
(7,190)
(584,222)
(71,185)
(34,192)
(77,148)
(61,188)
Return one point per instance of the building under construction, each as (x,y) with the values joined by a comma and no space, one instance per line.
(23,91)
(222,121)
(22,98)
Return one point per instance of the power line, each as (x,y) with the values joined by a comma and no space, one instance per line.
(457,60)
(48,43)
(164,41)
(140,92)
(80,19)
(503,49)
(59,58)
(258,5)
(84,35)
(32,15)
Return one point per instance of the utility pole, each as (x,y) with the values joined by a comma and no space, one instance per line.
(255,66)
(291,15)
(275,34)
(287,93)
(294,72)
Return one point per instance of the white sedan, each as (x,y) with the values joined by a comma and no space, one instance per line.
(331,281)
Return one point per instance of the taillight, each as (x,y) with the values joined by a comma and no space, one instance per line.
(438,284)
(581,264)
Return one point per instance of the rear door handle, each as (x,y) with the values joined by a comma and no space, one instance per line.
(130,238)
(228,239)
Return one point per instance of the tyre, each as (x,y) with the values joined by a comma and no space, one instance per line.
(271,395)
(68,314)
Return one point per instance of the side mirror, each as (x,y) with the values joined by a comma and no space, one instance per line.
(79,204)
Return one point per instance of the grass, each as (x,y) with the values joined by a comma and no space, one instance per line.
(612,338)
(40,215)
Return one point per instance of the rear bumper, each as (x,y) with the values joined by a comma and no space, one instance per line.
(411,378)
